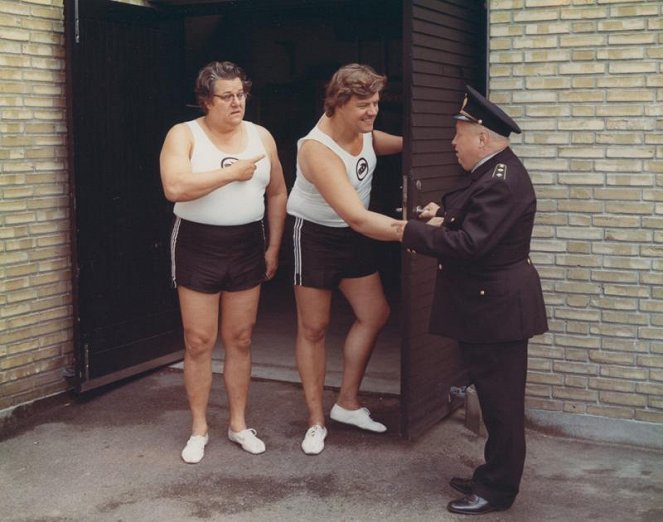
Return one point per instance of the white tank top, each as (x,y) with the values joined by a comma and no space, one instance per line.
(237,203)
(306,202)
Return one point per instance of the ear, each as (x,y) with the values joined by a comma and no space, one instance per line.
(483,138)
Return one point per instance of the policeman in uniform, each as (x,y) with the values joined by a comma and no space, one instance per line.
(488,294)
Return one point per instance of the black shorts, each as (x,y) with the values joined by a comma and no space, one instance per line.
(325,255)
(212,259)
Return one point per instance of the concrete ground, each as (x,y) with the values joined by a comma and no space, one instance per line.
(114,456)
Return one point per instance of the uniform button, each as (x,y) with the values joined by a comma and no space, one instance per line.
(529,261)
(439,267)
(483,292)
(452,220)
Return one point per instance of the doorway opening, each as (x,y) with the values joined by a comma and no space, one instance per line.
(289,53)
(142,61)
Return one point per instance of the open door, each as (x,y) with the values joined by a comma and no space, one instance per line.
(444,43)
(123,95)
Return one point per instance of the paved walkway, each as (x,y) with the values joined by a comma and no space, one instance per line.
(115,456)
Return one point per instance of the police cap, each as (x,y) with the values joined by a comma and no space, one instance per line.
(477,109)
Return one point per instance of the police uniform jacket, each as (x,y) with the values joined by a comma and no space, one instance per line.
(487,289)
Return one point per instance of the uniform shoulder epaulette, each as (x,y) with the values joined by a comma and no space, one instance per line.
(500,171)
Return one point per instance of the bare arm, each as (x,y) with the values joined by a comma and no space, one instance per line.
(179,183)
(385,144)
(277,196)
(326,171)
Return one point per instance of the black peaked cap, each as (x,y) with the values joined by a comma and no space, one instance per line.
(477,109)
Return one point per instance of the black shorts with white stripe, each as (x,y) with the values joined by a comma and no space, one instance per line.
(323,256)
(212,259)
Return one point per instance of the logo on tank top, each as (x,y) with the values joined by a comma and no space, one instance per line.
(362,168)
(226,162)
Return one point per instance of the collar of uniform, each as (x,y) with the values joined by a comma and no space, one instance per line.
(481,168)
(485,159)
(486,163)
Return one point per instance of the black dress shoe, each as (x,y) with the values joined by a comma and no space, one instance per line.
(472,505)
(462,485)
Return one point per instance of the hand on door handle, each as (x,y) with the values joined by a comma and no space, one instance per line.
(427,211)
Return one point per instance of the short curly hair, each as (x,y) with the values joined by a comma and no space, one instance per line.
(214,71)
(352,80)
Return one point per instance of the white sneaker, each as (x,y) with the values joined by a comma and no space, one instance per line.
(194,451)
(314,440)
(248,440)
(360,418)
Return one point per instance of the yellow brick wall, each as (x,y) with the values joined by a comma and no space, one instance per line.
(35,275)
(584,80)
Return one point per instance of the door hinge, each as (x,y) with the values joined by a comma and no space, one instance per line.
(404,206)
(77,28)
(86,362)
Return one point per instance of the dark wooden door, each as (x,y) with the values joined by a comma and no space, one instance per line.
(444,48)
(123,65)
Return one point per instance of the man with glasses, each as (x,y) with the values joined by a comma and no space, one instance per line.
(217,169)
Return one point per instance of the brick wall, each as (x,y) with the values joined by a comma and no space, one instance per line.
(583,79)
(35,288)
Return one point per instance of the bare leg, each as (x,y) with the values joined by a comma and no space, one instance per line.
(313,307)
(238,316)
(200,313)
(371,310)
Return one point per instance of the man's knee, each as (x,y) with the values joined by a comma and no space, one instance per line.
(238,338)
(199,342)
(313,332)
(376,317)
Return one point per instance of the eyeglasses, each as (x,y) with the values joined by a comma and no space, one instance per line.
(229,96)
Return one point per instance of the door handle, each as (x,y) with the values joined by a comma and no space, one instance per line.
(417,211)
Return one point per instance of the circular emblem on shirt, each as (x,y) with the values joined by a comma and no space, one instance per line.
(226,162)
(362,168)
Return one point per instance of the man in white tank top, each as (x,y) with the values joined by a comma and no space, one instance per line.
(329,219)
(217,169)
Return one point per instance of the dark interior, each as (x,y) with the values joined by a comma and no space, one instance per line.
(289,53)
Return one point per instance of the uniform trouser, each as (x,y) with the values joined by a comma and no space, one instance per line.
(499,372)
